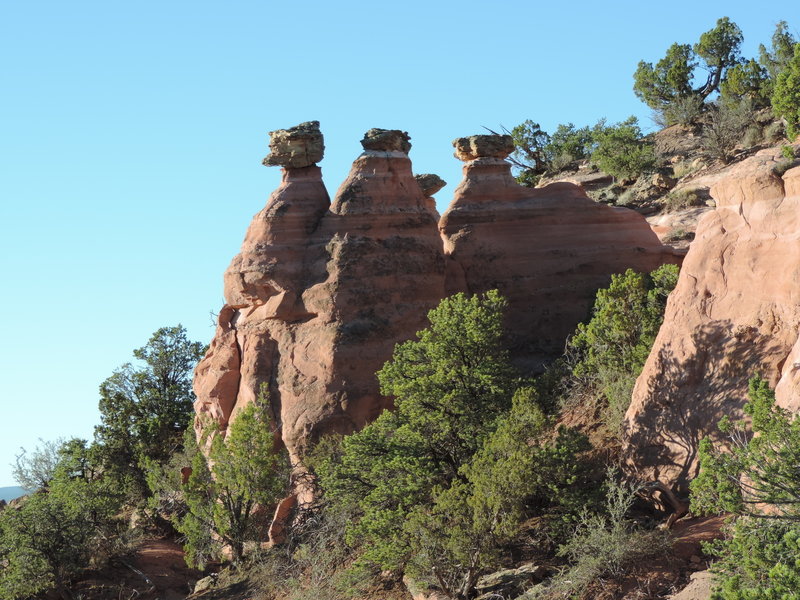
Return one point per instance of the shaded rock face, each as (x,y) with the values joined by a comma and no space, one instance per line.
(321,292)
(734,313)
(547,250)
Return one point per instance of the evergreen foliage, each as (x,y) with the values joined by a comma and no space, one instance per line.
(620,150)
(609,351)
(786,97)
(746,80)
(244,469)
(758,481)
(530,148)
(672,78)
(145,409)
(53,534)
(777,57)
(569,143)
(443,480)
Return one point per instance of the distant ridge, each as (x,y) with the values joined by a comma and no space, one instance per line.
(9,493)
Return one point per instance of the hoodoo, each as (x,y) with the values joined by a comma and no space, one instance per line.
(321,292)
(546,250)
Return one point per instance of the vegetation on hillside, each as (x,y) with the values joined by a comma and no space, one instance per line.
(441,490)
(145,408)
(730,103)
(79,489)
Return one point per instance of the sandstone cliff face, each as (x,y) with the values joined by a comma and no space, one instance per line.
(547,250)
(321,292)
(734,313)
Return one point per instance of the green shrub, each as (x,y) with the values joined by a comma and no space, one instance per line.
(569,143)
(530,154)
(621,152)
(606,543)
(55,532)
(786,95)
(528,178)
(757,480)
(682,199)
(450,386)
(609,351)
(746,80)
(444,480)
(243,470)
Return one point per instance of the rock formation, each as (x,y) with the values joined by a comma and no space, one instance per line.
(548,250)
(734,313)
(430,184)
(320,293)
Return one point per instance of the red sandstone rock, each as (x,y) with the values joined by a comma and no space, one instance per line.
(318,297)
(734,313)
(320,293)
(547,250)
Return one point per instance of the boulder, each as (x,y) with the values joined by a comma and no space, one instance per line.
(510,583)
(386,140)
(430,183)
(734,313)
(483,146)
(299,146)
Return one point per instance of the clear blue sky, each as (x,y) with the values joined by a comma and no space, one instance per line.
(131,136)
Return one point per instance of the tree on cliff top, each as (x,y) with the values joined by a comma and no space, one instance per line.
(145,409)
(671,79)
(786,97)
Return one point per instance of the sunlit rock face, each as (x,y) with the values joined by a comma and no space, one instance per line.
(735,313)
(322,290)
(548,250)
(320,293)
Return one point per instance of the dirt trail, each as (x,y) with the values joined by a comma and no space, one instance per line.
(156,570)
(162,561)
